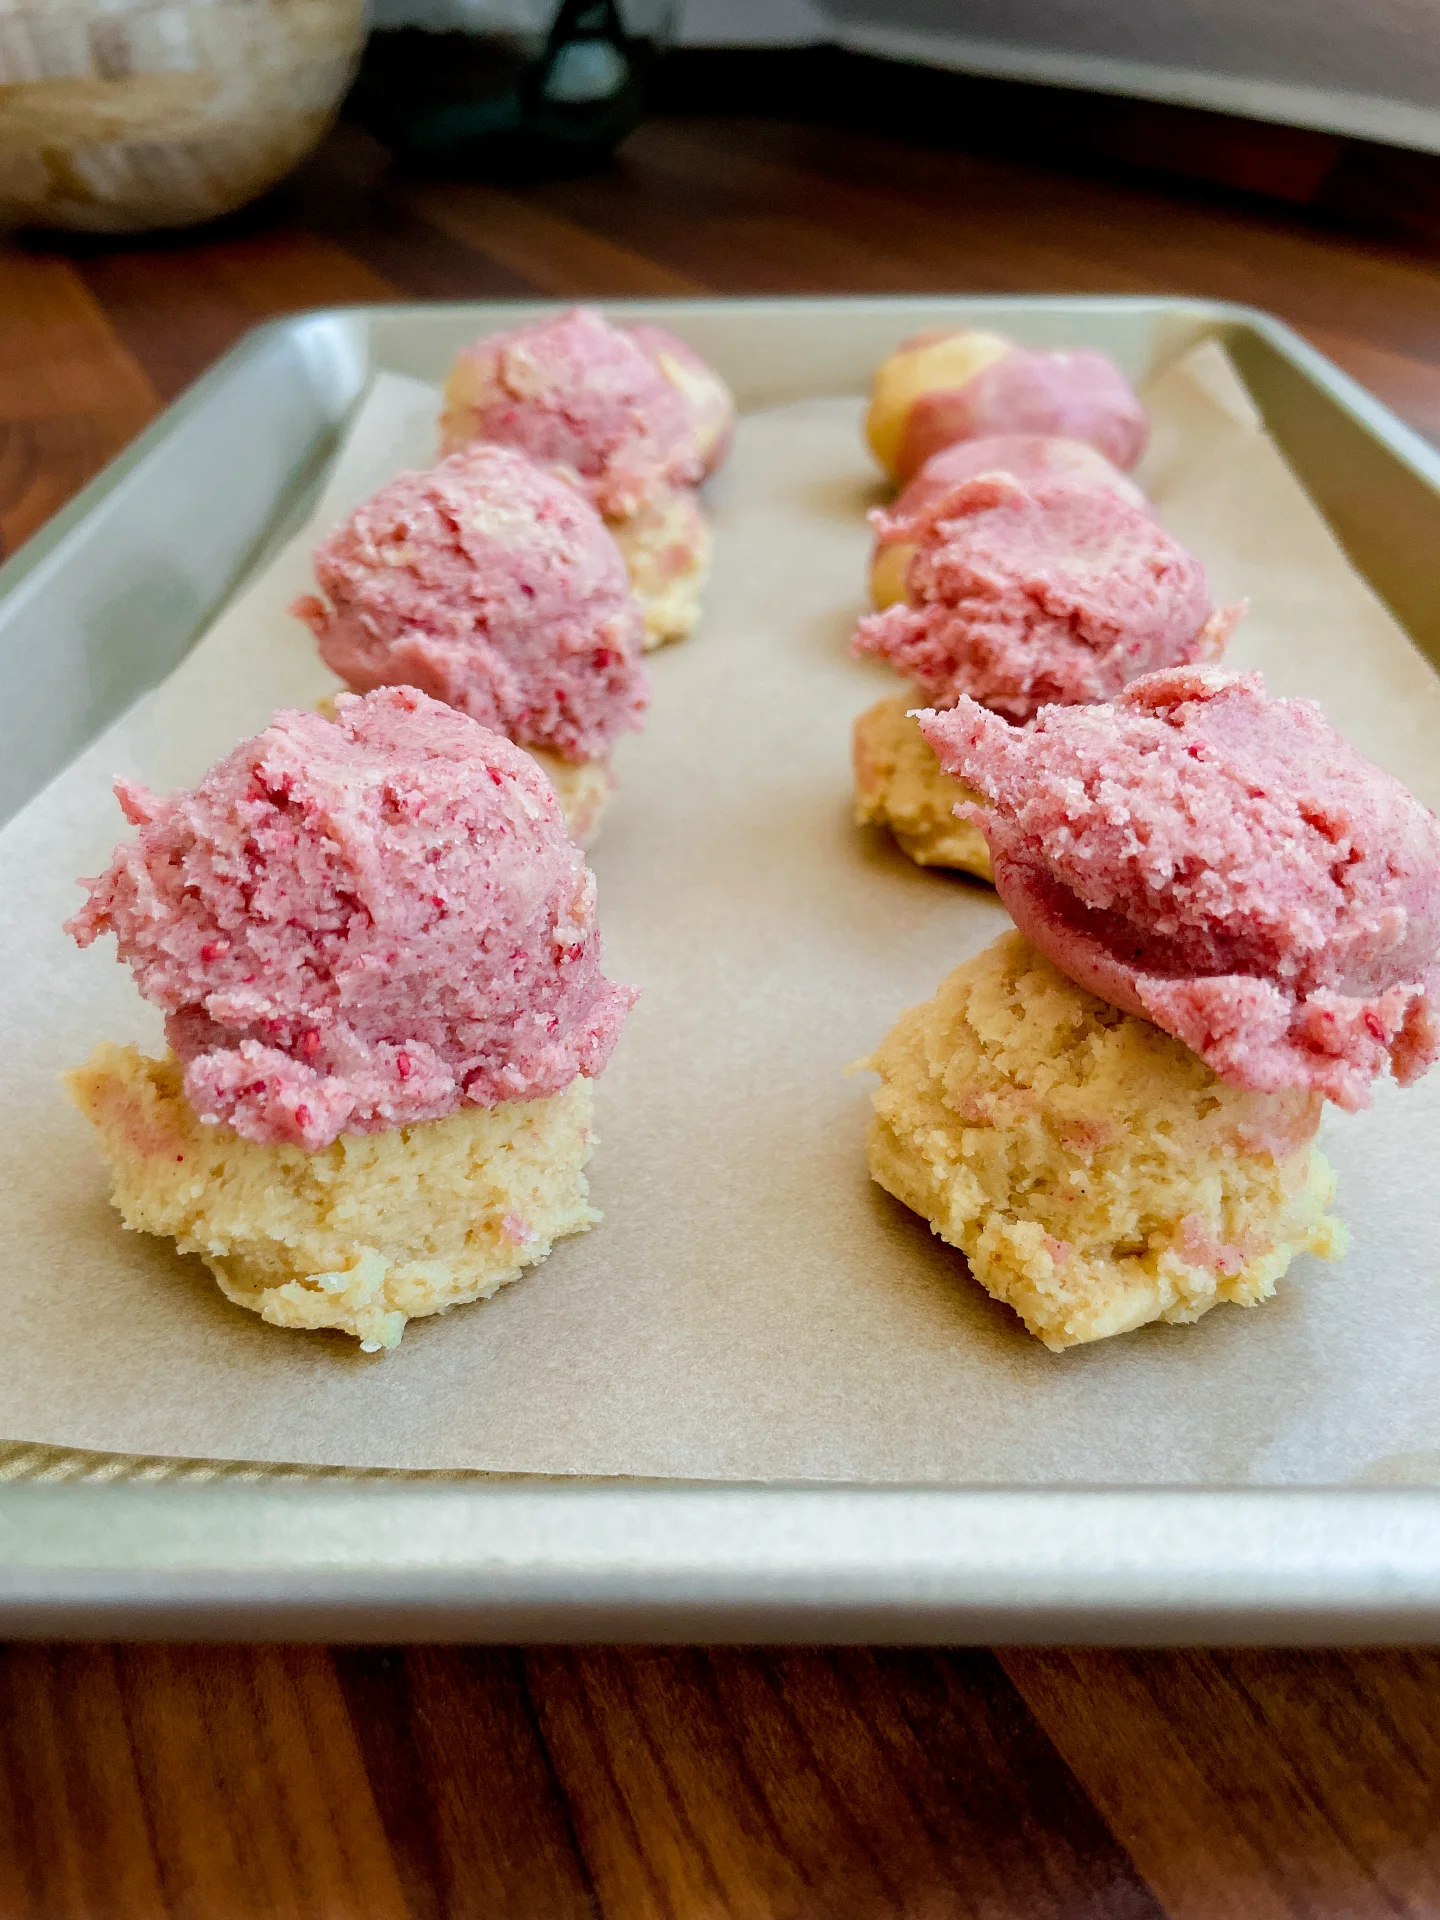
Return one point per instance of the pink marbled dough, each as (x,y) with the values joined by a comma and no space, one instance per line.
(1026,596)
(361,924)
(710,402)
(1075,393)
(577,393)
(1223,864)
(490,584)
(1032,458)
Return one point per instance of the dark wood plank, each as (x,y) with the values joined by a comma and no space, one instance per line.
(973,223)
(187,1782)
(1005,224)
(248,1753)
(174,316)
(1355,182)
(553,255)
(478,1826)
(179,308)
(74,1829)
(351,192)
(1360,1735)
(837,1784)
(751,228)
(632,1783)
(71,395)
(1256,1785)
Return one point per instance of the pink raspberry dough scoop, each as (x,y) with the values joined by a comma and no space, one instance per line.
(577,393)
(710,401)
(1027,596)
(1032,458)
(1074,393)
(491,585)
(1223,864)
(361,924)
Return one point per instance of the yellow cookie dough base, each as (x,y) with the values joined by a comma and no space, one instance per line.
(666,547)
(371,1231)
(582,787)
(932,363)
(1093,1171)
(889,574)
(901,785)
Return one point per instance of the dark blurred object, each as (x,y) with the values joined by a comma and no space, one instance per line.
(511,101)
(1338,180)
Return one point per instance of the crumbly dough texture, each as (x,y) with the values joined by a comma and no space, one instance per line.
(666,547)
(900,784)
(1224,864)
(583,787)
(1093,1171)
(372,1231)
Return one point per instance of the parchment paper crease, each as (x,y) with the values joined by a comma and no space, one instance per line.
(752,1307)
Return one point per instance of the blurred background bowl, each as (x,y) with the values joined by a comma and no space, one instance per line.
(122,115)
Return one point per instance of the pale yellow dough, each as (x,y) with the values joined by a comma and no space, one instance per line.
(583,787)
(1093,1171)
(889,571)
(931,363)
(711,403)
(666,547)
(371,1231)
(901,785)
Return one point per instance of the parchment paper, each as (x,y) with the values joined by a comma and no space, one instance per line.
(751,1307)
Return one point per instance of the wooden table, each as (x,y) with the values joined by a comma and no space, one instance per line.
(447,1782)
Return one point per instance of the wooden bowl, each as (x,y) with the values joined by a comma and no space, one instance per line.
(122,115)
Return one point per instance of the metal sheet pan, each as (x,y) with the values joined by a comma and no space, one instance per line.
(102,604)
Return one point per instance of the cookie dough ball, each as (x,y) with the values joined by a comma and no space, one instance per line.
(1026,596)
(900,784)
(946,386)
(666,549)
(1226,865)
(488,583)
(1093,1171)
(376,953)
(1028,457)
(361,1236)
(577,393)
(710,401)
(631,416)
(361,925)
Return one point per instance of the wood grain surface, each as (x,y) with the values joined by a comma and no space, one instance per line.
(649,1784)
(626,1784)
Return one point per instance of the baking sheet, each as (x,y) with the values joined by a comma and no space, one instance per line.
(752,1307)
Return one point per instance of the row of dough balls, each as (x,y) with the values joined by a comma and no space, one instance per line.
(1019,565)
(559,537)
(385,1155)
(632,415)
(1096,1174)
